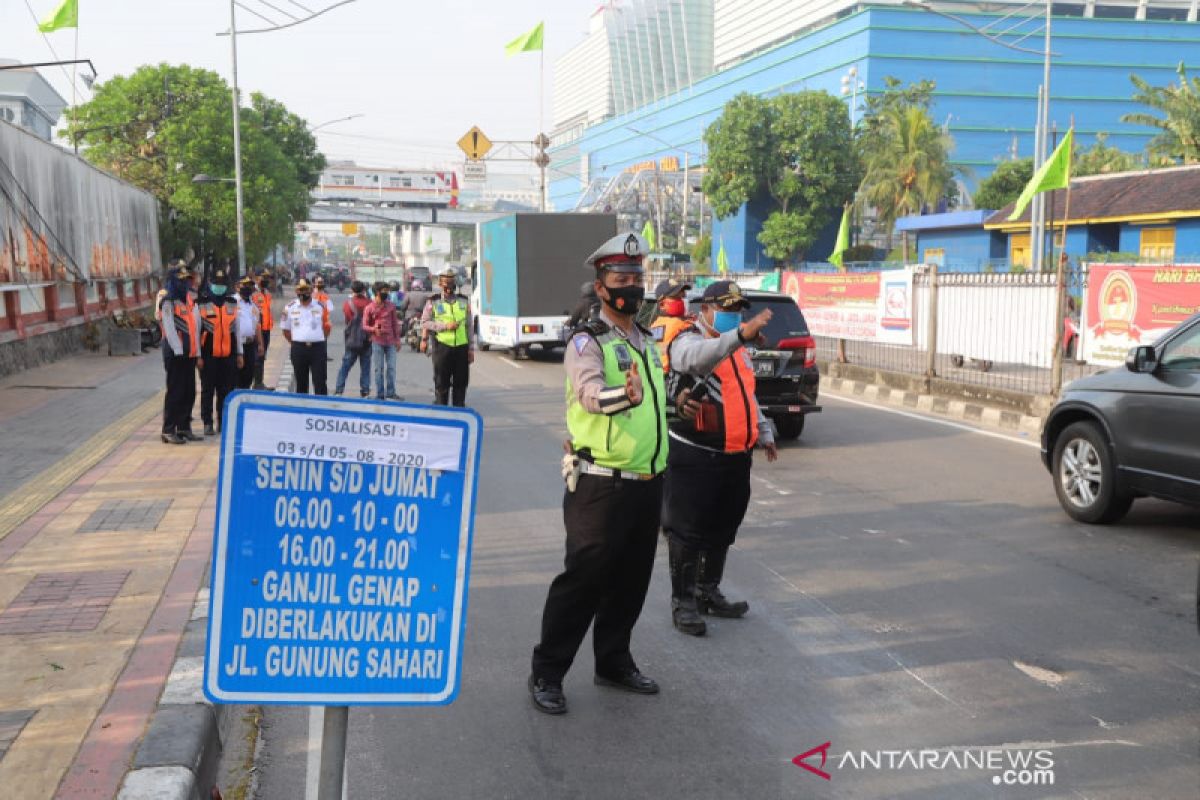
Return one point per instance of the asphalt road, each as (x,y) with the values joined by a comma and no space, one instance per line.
(913,585)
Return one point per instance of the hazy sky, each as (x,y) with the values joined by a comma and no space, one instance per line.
(421,73)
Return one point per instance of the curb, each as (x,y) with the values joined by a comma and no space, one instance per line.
(966,411)
(179,757)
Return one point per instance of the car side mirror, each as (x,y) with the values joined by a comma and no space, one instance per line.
(1141,359)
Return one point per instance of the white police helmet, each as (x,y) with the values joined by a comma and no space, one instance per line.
(622,253)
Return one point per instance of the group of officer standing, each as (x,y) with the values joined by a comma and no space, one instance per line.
(663,422)
(219,334)
(224,337)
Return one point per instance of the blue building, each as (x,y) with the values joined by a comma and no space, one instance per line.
(986,94)
(1152,215)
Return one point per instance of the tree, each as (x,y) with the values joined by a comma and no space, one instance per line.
(161,125)
(1004,185)
(701,252)
(1101,159)
(1179,104)
(794,151)
(907,164)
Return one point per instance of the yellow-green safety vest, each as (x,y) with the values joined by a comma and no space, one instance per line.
(633,440)
(453,311)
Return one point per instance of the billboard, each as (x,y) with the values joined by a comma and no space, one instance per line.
(862,306)
(1126,306)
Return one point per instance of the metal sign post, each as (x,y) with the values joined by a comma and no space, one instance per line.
(340,558)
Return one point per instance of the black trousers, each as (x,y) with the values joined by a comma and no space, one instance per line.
(258,364)
(218,377)
(250,365)
(450,367)
(612,532)
(309,357)
(705,497)
(181,394)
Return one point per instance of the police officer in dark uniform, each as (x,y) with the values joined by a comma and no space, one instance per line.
(180,322)
(447,321)
(707,488)
(616,414)
(220,349)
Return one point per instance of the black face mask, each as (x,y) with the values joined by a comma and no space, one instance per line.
(304,296)
(625,299)
(383,296)
(245,292)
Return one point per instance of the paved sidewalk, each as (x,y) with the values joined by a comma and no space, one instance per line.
(100,566)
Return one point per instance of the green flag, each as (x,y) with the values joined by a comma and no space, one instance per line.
(1054,174)
(843,240)
(526,42)
(722,259)
(65,16)
(648,235)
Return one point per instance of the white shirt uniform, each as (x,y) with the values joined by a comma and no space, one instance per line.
(247,320)
(306,322)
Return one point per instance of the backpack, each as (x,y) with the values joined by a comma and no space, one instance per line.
(356,337)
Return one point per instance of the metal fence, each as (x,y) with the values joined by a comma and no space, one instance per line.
(991,330)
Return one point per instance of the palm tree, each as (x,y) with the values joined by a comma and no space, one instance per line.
(1179,140)
(908,165)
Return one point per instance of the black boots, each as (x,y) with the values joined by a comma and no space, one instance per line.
(685,568)
(708,595)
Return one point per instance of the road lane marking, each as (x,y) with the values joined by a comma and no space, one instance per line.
(1040,674)
(511,363)
(957,425)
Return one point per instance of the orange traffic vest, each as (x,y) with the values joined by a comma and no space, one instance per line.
(185,325)
(728,420)
(665,329)
(217,323)
(262,299)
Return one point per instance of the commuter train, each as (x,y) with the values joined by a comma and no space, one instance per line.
(342,182)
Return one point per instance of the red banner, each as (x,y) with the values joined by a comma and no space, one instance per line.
(866,306)
(1127,306)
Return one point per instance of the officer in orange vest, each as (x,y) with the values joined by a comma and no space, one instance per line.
(180,321)
(220,349)
(672,315)
(262,299)
(707,486)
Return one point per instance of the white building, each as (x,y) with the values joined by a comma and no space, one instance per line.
(636,52)
(28,100)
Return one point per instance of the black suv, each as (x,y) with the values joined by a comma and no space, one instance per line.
(1128,433)
(785,366)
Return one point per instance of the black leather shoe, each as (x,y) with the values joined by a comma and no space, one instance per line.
(547,696)
(631,681)
(209,430)
(173,438)
(188,435)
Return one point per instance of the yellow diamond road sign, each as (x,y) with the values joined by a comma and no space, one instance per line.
(475,144)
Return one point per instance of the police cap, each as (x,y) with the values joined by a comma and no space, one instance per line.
(726,295)
(448,272)
(219,277)
(671,287)
(622,253)
(246,281)
(303,286)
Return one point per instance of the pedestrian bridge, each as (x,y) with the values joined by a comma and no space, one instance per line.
(396,215)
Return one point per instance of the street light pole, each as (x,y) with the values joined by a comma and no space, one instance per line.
(237,144)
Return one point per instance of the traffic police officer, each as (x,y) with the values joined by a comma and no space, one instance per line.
(616,414)
(448,318)
(181,331)
(262,299)
(672,315)
(708,484)
(220,349)
(249,331)
(306,325)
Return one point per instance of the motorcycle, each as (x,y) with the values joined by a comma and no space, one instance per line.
(412,333)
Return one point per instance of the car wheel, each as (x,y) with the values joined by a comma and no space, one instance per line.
(484,346)
(1085,477)
(790,427)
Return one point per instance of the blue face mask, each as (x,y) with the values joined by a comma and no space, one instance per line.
(725,321)
(218,291)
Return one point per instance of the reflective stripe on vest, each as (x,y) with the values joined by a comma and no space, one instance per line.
(185,325)
(263,301)
(634,440)
(217,322)
(665,329)
(454,311)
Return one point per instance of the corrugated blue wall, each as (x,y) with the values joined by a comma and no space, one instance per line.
(985,93)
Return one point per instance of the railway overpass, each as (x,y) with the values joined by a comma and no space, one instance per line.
(366,214)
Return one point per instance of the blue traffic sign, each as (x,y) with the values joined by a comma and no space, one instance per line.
(341,551)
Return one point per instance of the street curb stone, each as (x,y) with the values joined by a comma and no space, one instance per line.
(988,415)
